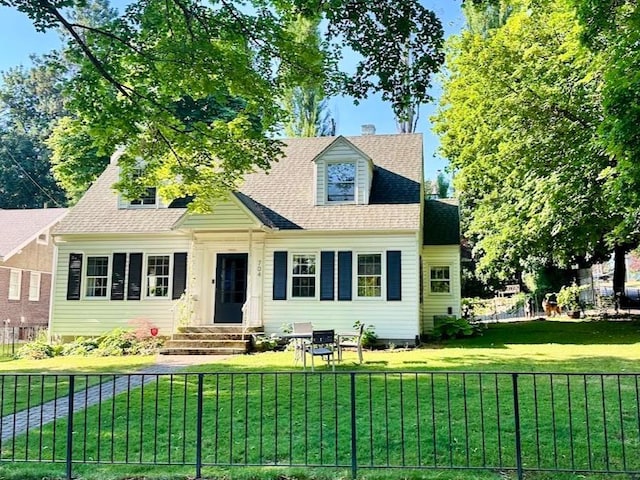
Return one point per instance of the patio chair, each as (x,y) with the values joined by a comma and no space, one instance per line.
(322,345)
(301,328)
(351,340)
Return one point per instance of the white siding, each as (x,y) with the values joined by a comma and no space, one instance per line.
(344,152)
(438,303)
(226,215)
(94,316)
(394,320)
(321,181)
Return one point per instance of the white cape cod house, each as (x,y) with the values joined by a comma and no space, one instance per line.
(332,234)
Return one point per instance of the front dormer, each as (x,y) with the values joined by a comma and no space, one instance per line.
(149,199)
(343,174)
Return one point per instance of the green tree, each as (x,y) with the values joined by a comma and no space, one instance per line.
(482,18)
(307,114)
(442,184)
(25,180)
(612,31)
(29,100)
(76,161)
(193,88)
(305,104)
(518,121)
(33,101)
(438,188)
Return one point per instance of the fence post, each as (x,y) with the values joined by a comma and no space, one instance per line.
(354,443)
(199,426)
(516,418)
(69,451)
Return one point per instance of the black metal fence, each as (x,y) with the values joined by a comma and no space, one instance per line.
(12,338)
(520,422)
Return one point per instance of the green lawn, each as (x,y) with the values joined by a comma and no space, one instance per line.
(538,346)
(77,364)
(428,417)
(19,389)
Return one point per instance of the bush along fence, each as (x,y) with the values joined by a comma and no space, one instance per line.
(518,422)
(12,338)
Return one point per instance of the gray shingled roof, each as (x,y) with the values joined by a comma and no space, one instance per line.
(97,212)
(285,194)
(283,198)
(441,222)
(20,227)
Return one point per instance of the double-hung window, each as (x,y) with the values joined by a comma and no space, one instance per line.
(369,270)
(146,199)
(34,287)
(303,276)
(15,281)
(97,276)
(440,279)
(341,182)
(157,276)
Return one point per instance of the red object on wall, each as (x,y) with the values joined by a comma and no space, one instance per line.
(154,331)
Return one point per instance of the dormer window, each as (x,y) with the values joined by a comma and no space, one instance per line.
(149,198)
(341,182)
(344,175)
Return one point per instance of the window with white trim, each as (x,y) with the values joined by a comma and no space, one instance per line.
(148,199)
(15,281)
(97,276)
(369,273)
(157,276)
(341,182)
(303,275)
(34,286)
(440,279)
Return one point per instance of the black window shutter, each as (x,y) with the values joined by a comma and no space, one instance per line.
(179,275)
(117,276)
(344,275)
(134,287)
(279,275)
(74,279)
(394,275)
(326,275)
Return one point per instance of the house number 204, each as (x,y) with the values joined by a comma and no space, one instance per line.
(259,269)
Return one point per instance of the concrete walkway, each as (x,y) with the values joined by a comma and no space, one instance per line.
(18,423)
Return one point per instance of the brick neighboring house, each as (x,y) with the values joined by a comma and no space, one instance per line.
(26,265)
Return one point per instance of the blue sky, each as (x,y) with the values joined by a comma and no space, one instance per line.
(18,40)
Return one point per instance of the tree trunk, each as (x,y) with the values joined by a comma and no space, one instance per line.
(619,269)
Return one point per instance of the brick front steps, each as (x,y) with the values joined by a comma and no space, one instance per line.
(210,340)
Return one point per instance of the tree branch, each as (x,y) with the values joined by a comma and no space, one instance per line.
(108,34)
(187,17)
(83,46)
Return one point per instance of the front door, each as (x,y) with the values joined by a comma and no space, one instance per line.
(230,287)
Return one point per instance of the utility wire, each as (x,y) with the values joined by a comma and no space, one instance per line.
(17,164)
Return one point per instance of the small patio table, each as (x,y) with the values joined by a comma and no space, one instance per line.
(298,339)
